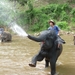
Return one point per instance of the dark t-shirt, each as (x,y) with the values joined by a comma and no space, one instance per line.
(55,28)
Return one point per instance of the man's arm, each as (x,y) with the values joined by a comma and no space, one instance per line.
(58,29)
(58,32)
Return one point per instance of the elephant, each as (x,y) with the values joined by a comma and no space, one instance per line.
(48,49)
(74,39)
(6,37)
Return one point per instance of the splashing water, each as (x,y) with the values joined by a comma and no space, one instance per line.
(7,12)
(7,16)
(17,29)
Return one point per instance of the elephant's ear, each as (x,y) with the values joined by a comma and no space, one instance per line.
(52,36)
(49,36)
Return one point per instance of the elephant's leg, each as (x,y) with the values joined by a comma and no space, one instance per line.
(53,66)
(2,39)
(46,62)
(36,58)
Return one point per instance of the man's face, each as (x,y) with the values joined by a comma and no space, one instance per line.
(51,24)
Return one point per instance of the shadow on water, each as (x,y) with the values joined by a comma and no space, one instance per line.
(16,55)
(66,69)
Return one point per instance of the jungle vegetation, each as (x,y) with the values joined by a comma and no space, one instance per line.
(34,15)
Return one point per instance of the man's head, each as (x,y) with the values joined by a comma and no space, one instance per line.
(51,22)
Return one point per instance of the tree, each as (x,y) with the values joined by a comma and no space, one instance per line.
(22,2)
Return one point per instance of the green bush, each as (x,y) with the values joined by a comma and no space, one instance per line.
(35,27)
(64,16)
(63,25)
(73,19)
(66,8)
(68,28)
(73,12)
(37,18)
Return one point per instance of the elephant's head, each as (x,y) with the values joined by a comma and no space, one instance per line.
(47,37)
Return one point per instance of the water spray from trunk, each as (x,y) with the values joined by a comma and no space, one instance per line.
(7,16)
(17,29)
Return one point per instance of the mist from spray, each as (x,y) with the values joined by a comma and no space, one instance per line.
(7,15)
(6,12)
(17,29)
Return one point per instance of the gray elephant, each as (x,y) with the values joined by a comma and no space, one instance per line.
(48,49)
(6,37)
(74,39)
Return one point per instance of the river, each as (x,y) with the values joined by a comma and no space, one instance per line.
(16,55)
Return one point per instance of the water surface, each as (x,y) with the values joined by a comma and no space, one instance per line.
(16,55)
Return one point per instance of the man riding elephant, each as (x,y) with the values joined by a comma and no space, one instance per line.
(48,49)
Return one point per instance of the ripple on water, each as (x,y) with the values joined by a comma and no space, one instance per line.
(16,55)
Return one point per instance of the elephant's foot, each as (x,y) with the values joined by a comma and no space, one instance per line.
(0,40)
(46,66)
(32,65)
(54,74)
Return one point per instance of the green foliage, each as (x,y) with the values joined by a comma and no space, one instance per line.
(22,2)
(40,22)
(63,24)
(73,12)
(39,17)
(68,28)
(64,16)
(73,19)
(73,15)
(71,1)
(66,8)
(6,13)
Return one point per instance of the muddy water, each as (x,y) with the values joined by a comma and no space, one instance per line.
(16,55)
